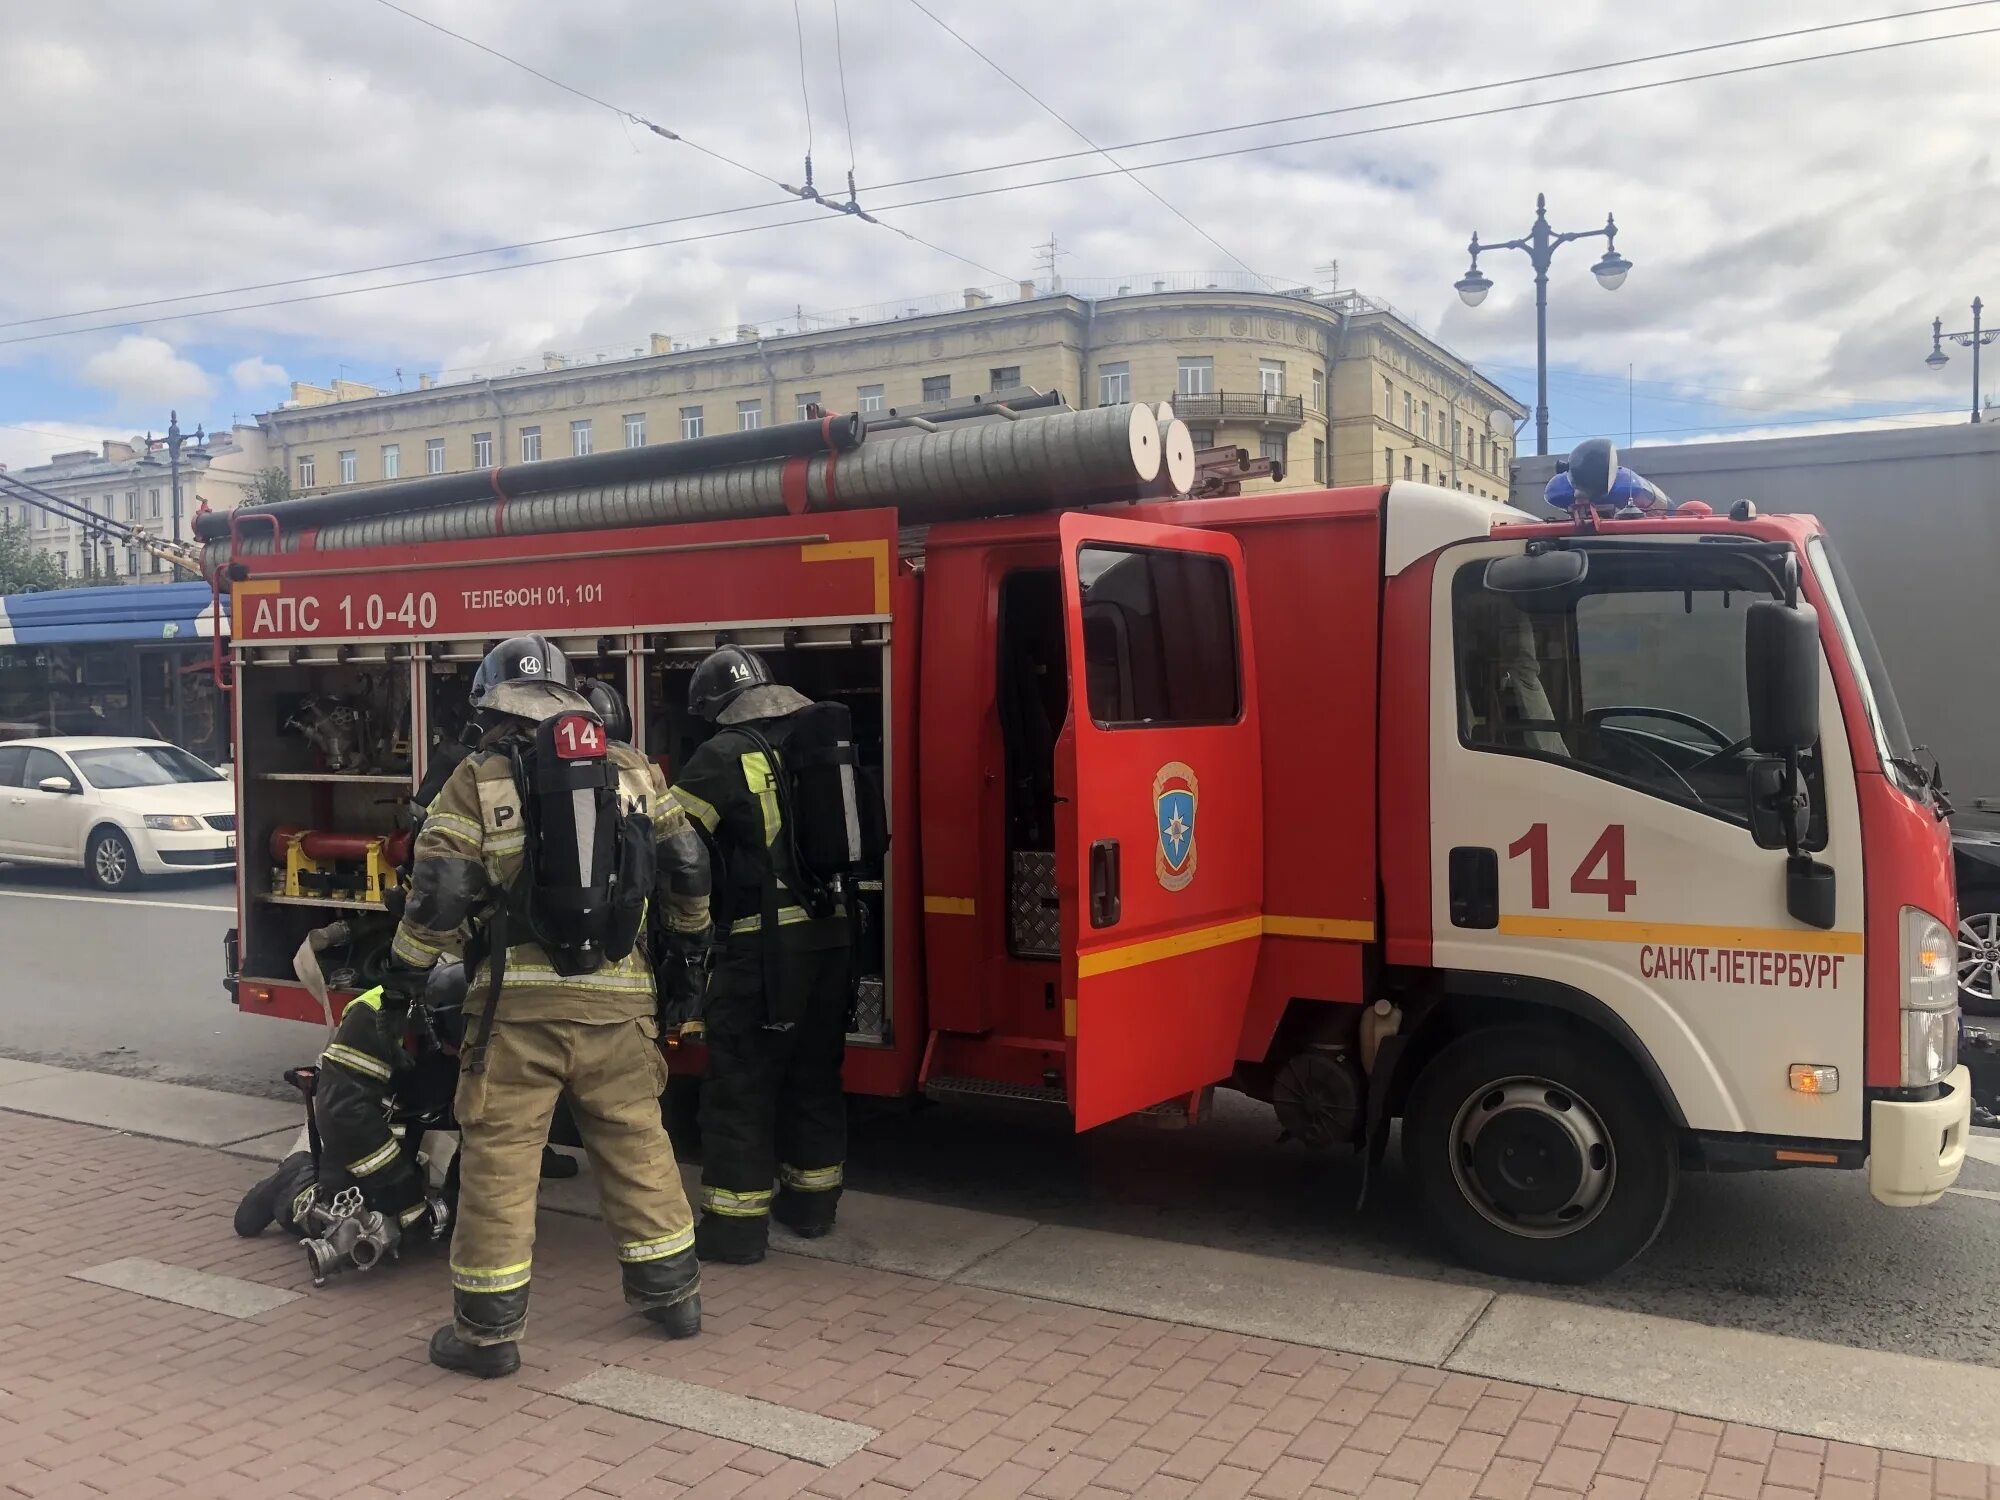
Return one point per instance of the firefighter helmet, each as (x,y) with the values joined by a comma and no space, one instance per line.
(525,677)
(723,677)
(610,706)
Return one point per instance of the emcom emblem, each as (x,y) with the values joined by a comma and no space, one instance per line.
(1176,795)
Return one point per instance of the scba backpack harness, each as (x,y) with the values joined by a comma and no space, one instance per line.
(587,862)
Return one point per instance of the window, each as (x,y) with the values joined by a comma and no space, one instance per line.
(43,764)
(1424,427)
(1637,676)
(579,438)
(871,398)
(690,421)
(749,415)
(937,388)
(1272,446)
(153,503)
(131,559)
(1427,473)
(433,455)
(1388,398)
(153,563)
(1196,375)
(1159,637)
(306,470)
(392,460)
(531,445)
(1201,437)
(1457,431)
(1319,461)
(1409,412)
(1482,450)
(62,563)
(635,429)
(1319,390)
(348,466)
(131,505)
(806,401)
(482,450)
(1388,464)
(1409,465)
(1003,378)
(1114,383)
(1270,377)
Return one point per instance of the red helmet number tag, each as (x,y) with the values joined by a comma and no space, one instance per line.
(579,738)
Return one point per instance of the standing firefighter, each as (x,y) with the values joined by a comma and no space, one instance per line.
(550,839)
(777,790)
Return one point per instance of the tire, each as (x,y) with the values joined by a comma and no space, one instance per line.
(111,862)
(1979,952)
(1567,1103)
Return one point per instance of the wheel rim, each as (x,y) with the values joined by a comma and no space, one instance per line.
(1532,1157)
(111,862)
(1979,955)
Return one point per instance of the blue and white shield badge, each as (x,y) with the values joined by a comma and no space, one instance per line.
(1176,797)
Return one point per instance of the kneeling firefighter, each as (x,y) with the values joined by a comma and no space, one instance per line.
(792,817)
(551,841)
(361,1191)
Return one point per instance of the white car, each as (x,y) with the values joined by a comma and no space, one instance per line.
(119,809)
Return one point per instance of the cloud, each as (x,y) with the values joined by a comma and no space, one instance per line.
(257,373)
(139,369)
(33,440)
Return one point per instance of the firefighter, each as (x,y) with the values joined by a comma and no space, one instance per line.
(538,1022)
(777,1003)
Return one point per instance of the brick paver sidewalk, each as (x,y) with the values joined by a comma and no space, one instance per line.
(104,1392)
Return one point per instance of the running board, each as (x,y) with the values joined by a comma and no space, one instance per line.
(987,1088)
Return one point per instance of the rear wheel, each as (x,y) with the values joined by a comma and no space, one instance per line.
(1979,952)
(1539,1154)
(110,861)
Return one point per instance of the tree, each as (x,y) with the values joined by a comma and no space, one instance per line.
(24,570)
(271,486)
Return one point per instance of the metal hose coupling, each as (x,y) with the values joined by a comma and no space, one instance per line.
(349,1235)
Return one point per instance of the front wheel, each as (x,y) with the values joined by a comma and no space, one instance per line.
(110,861)
(1539,1154)
(1979,952)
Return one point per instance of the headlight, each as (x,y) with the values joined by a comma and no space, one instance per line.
(1930,998)
(173,822)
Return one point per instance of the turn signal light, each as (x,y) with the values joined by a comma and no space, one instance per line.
(1814,1078)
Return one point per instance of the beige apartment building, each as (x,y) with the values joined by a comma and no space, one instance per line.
(131,484)
(1336,386)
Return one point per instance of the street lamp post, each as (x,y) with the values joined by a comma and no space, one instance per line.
(1974,338)
(1540,245)
(175,438)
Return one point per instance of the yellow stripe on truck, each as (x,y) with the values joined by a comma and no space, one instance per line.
(1151,951)
(1681,934)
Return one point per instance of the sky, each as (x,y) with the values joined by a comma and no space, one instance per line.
(1793,230)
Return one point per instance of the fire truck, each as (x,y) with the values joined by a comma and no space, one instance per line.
(1590,849)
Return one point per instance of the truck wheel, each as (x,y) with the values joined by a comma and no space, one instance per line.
(111,863)
(1539,1154)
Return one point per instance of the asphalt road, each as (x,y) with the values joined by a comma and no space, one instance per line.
(132,985)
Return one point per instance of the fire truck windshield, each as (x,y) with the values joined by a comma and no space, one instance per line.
(1864,657)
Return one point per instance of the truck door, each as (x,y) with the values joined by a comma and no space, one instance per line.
(1160,811)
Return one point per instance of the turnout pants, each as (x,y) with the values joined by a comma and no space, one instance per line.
(772,1110)
(614,1075)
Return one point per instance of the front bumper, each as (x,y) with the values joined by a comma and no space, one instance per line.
(165,853)
(1915,1148)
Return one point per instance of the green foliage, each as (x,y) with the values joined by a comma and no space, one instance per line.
(24,570)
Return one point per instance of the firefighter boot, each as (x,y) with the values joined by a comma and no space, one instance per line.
(734,1239)
(487,1361)
(682,1320)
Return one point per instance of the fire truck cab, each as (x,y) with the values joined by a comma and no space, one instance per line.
(1590,849)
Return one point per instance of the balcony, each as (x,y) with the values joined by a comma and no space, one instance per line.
(1276,413)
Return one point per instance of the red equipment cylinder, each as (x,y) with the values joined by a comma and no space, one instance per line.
(327,843)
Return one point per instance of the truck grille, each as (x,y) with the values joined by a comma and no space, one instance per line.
(223,824)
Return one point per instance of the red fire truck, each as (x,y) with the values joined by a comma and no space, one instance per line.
(1590,849)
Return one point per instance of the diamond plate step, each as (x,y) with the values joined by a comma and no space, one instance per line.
(987,1088)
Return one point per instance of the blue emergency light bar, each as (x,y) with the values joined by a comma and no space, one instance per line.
(1582,481)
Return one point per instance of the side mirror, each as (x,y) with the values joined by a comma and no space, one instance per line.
(1781,668)
(57,784)
(1537,572)
(1778,818)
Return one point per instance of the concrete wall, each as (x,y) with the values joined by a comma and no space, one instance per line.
(1915,514)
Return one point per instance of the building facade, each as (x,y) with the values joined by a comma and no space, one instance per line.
(131,485)
(1338,388)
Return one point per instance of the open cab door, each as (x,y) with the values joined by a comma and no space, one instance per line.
(1159,812)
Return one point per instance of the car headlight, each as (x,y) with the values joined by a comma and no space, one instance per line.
(1930,998)
(173,822)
